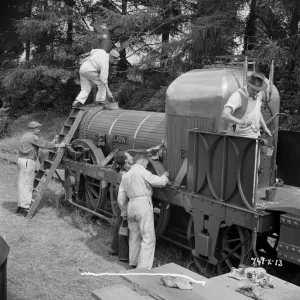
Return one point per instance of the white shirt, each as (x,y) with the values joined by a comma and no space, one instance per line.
(138,182)
(252,114)
(100,60)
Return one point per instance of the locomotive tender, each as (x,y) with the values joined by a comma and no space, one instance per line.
(212,206)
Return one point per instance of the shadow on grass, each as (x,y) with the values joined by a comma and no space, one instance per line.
(10,206)
(98,233)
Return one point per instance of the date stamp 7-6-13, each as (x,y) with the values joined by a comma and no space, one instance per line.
(266,261)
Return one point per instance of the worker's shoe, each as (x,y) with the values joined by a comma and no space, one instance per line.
(132,267)
(18,210)
(77,104)
(113,253)
(24,211)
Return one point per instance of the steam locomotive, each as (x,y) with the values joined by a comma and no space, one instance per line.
(216,206)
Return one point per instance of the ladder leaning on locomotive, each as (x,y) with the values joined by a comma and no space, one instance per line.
(212,207)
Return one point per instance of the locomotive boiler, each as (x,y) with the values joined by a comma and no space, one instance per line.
(215,206)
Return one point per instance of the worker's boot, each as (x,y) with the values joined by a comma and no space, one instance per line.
(77,104)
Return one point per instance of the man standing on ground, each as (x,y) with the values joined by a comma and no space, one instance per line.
(28,155)
(243,108)
(123,163)
(95,70)
(136,185)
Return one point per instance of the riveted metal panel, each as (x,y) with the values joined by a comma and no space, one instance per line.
(177,135)
(289,242)
(223,167)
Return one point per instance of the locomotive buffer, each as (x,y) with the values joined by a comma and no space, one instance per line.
(65,135)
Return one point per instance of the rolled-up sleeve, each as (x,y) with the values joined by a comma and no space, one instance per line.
(122,199)
(42,143)
(154,180)
(234,101)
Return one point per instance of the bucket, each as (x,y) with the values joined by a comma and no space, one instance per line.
(124,241)
(271,194)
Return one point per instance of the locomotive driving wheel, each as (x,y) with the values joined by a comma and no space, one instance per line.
(90,191)
(234,247)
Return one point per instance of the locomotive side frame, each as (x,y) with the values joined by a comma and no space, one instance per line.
(208,214)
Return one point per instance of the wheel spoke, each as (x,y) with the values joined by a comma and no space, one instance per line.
(234,240)
(91,188)
(227,261)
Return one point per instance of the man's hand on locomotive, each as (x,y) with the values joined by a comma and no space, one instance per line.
(109,94)
(267,131)
(61,145)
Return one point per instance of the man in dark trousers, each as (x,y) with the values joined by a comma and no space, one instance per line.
(4,250)
(123,162)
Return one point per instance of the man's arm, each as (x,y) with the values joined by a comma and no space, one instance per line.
(264,125)
(234,102)
(227,115)
(122,199)
(45,144)
(154,180)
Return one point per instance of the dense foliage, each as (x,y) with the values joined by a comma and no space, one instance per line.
(43,41)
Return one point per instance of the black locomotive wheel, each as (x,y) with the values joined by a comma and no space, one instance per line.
(161,209)
(233,248)
(91,191)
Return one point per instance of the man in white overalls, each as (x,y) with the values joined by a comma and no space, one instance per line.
(95,70)
(243,109)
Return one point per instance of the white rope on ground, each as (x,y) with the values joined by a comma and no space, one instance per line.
(147,274)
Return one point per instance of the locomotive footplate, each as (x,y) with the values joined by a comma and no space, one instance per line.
(289,242)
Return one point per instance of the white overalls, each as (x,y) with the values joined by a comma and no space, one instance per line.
(94,70)
(136,185)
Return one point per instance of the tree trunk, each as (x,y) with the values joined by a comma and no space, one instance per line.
(295,19)
(27,46)
(250,30)
(123,63)
(70,3)
(165,33)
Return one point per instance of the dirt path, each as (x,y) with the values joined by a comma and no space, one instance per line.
(48,252)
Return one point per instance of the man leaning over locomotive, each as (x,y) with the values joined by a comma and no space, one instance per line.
(243,108)
(136,185)
(95,70)
(28,156)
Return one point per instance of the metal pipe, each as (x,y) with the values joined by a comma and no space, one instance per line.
(271,78)
(272,118)
(245,71)
(176,243)
(90,211)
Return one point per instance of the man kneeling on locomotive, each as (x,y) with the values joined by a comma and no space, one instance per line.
(136,185)
(243,108)
(27,161)
(123,162)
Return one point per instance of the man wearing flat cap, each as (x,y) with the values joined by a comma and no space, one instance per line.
(242,109)
(95,70)
(28,155)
